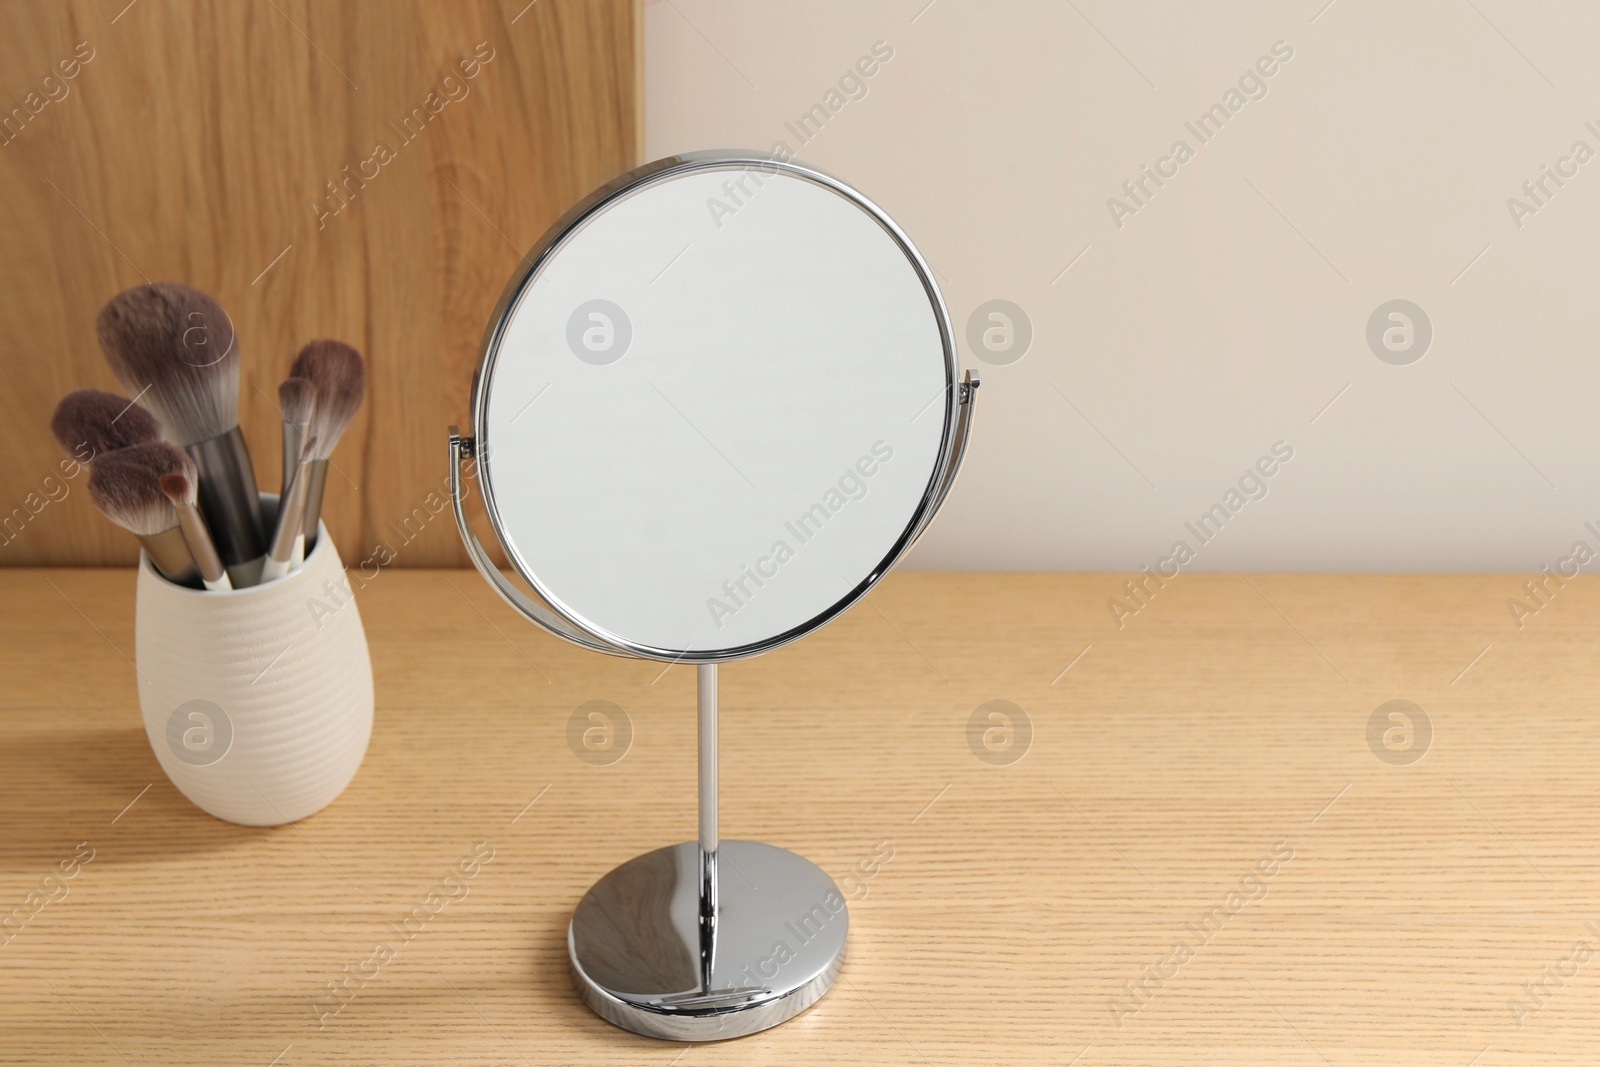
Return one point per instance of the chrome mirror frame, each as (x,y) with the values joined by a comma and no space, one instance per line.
(547,611)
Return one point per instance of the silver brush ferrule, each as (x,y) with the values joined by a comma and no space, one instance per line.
(316,481)
(170,554)
(200,545)
(228,497)
(294,442)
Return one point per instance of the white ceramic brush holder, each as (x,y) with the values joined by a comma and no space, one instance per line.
(258,701)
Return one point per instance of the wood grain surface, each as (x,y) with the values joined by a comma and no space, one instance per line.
(197,143)
(1200,778)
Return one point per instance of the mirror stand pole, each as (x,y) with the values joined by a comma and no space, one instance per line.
(707,685)
(766,947)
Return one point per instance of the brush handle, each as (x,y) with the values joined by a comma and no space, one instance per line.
(228,498)
(202,548)
(317,480)
(169,552)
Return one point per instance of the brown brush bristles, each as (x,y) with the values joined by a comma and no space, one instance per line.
(295,399)
(179,488)
(173,348)
(126,486)
(337,373)
(89,422)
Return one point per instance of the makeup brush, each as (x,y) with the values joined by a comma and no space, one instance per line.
(295,398)
(174,348)
(94,422)
(179,488)
(337,373)
(289,535)
(126,486)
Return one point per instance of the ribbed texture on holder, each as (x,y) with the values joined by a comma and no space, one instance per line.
(286,662)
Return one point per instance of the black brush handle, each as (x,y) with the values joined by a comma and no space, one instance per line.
(228,497)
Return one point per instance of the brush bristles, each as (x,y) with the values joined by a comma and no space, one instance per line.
(88,423)
(337,373)
(179,488)
(173,348)
(126,486)
(295,399)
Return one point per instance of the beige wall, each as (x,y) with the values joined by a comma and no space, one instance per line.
(1227,312)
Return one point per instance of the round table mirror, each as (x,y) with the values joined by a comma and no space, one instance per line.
(715,405)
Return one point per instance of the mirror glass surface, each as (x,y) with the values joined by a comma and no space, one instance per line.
(714,410)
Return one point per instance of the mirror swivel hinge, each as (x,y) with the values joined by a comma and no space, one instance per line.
(966,388)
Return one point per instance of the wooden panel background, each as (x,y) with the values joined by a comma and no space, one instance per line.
(192,146)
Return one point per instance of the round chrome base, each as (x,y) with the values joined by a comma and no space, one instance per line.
(643,959)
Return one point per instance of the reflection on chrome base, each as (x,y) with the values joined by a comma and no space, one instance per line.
(643,959)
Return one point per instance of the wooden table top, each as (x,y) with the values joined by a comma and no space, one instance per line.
(1199,859)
